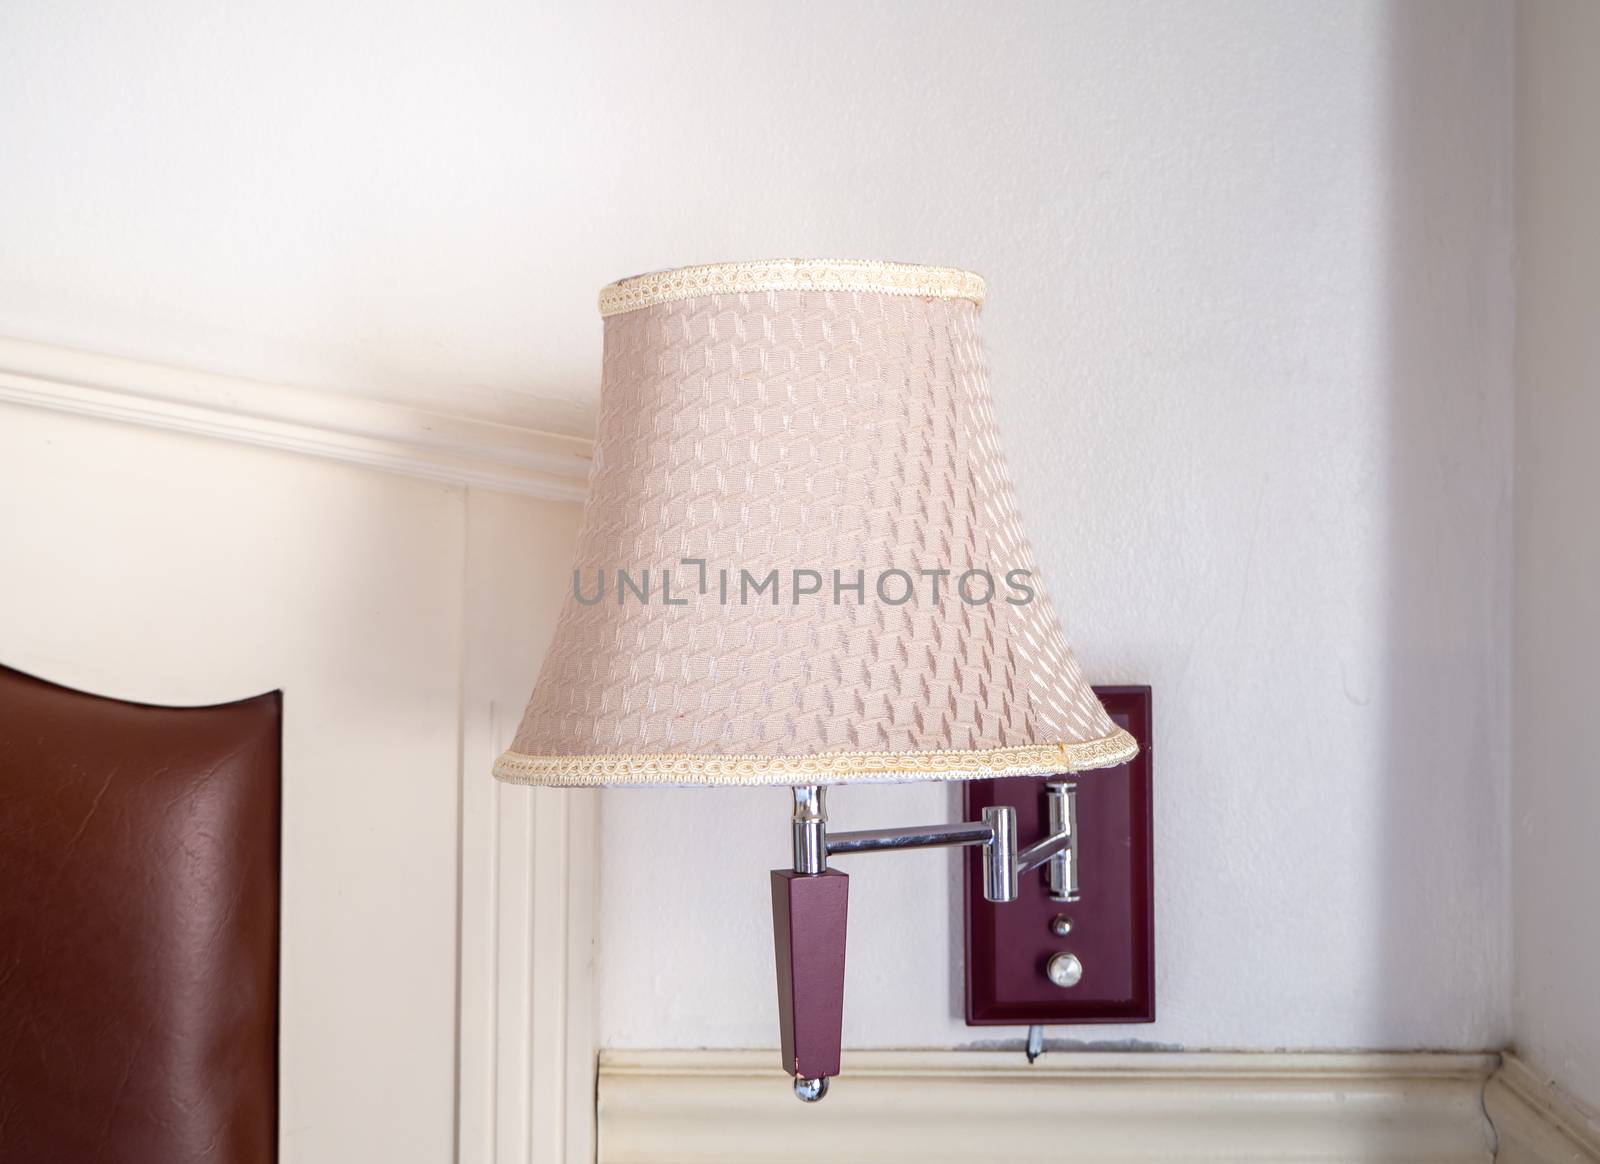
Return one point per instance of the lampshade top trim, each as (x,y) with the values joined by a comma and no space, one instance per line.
(790,275)
(823,768)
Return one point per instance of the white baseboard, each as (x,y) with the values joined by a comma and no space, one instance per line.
(1536,1122)
(736,1107)
(372,433)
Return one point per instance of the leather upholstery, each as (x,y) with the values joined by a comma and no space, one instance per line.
(139,888)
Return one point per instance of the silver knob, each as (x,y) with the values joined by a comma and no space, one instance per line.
(1064,970)
(810,1090)
(1061,925)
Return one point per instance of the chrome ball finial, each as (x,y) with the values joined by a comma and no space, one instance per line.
(810,1090)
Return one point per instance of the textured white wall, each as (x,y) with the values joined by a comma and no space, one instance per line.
(1249,330)
(1251,339)
(1556,786)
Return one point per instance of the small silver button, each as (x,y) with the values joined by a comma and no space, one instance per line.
(1061,925)
(1064,970)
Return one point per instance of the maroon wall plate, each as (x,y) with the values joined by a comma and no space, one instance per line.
(1113,923)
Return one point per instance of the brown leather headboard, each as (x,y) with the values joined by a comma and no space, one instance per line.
(138,928)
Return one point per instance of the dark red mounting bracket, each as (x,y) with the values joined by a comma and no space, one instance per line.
(1111,927)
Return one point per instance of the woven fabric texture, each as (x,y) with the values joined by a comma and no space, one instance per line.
(847,435)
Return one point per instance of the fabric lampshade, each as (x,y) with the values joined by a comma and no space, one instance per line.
(800,560)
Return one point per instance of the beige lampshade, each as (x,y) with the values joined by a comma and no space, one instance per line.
(800,559)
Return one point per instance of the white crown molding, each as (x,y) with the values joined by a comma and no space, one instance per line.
(1536,1122)
(458,449)
(736,1106)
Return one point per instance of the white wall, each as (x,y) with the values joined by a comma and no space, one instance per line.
(1556,787)
(1249,328)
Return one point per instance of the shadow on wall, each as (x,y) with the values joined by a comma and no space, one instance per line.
(1445,769)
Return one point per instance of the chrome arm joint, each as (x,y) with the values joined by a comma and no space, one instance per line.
(1003,864)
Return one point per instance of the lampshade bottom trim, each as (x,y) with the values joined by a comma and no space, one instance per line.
(824,768)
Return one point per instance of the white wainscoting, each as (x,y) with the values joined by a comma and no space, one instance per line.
(1536,1122)
(435,997)
(735,1107)
(528,875)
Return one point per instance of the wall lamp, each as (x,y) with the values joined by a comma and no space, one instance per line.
(800,565)
(808,908)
